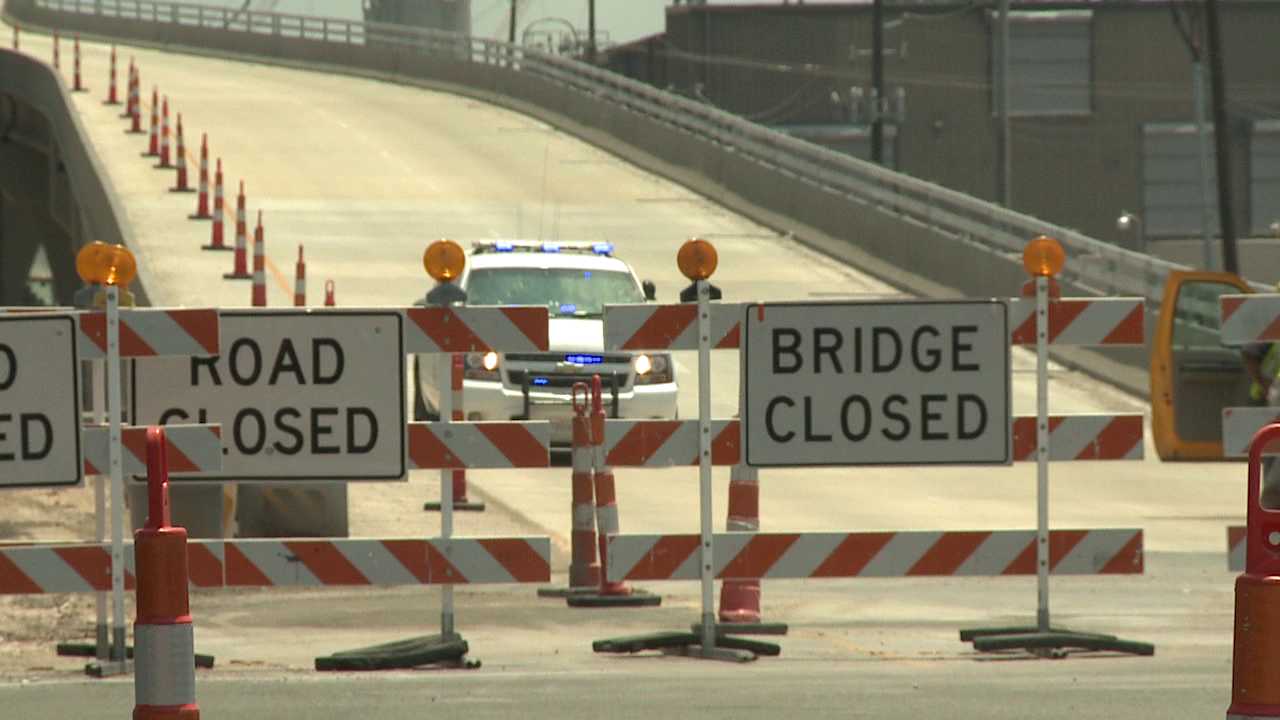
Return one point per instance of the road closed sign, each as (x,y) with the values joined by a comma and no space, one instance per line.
(39,410)
(876,383)
(301,395)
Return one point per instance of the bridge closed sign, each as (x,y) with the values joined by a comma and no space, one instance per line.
(876,383)
(39,409)
(314,395)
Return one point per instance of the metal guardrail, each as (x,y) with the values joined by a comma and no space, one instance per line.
(1096,265)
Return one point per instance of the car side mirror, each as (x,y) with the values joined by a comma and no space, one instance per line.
(650,290)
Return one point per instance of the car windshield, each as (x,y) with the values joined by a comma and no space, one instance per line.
(580,293)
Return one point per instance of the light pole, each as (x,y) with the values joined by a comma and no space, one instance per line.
(1132,222)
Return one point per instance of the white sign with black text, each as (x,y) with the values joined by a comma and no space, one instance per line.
(876,383)
(315,395)
(39,406)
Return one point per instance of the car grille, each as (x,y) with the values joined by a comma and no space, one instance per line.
(561,380)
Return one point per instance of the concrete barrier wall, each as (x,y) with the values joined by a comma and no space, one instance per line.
(79,195)
(910,256)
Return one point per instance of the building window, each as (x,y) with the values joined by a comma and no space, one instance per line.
(1172,198)
(1050,62)
(1264,176)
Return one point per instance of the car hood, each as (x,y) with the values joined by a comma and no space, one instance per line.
(575,334)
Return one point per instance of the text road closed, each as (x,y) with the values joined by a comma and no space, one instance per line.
(314,395)
(876,383)
(39,414)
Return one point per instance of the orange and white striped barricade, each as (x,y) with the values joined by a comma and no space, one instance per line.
(165,681)
(1239,426)
(1256,647)
(609,593)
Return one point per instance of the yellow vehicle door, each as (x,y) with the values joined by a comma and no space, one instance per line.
(1193,375)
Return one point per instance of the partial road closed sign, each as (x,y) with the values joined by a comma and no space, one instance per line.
(876,383)
(301,395)
(39,408)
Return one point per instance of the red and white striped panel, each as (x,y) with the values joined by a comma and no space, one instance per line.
(663,443)
(669,327)
(74,567)
(79,567)
(479,445)
(1249,318)
(875,554)
(1080,321)
(1081,437)
(475,329)
(1240,424)
(190,449)
(152,332)
(1236,544)
(316,563)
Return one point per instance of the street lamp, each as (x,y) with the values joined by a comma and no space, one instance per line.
(1132,222)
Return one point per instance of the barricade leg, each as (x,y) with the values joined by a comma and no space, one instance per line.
(611,594)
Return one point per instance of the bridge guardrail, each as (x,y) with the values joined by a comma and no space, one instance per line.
(1105,268)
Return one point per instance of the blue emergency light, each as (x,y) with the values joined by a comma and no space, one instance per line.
(541,381)
(602,248)
(550,247)
(568,309)
(504,247)
(584,359)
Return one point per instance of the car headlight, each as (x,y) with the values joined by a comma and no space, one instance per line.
(653,369)
(481,366)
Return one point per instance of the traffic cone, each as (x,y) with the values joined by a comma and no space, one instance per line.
(300,282)
(153,143)
(181,185)
(135,114)
(128,91)
(1255,685)
(112,99)
(328,294)
(164,659)
(202,196)
(740,599)
(164,135)
(458,477)
(611,593)
(76,86)
(57,61)
(215,242)
(584,567)
(259,292)
(240,269)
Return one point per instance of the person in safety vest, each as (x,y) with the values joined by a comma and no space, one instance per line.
(1262,362)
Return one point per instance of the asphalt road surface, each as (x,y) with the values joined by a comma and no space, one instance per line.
(365,174)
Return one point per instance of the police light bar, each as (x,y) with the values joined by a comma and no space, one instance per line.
(504,246)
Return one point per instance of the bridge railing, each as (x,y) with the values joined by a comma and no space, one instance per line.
(1096,265)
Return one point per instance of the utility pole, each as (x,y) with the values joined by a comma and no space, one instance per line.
(1222,134)
(511,29)
(877,81)
(1005,168)
(591,30)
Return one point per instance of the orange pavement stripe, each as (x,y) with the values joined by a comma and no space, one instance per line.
(518,558)
(759,554)
(948,553)
(667,554)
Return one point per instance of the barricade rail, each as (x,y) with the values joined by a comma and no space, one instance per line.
(1101,267)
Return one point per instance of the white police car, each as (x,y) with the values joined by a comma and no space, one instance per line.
(574,281)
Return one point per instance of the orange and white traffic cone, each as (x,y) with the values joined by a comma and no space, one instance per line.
(164,682)
(181,184)
(740,599)
(164,135)
(300,281)
(458,476)
(259,292)
(153,142)
(76,85)
(612,593)
(328,294)
(135,103)
(57,59)
(112,98)
(202,195)
(1255,684)
(584,567)
(215,241)
(240,267)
